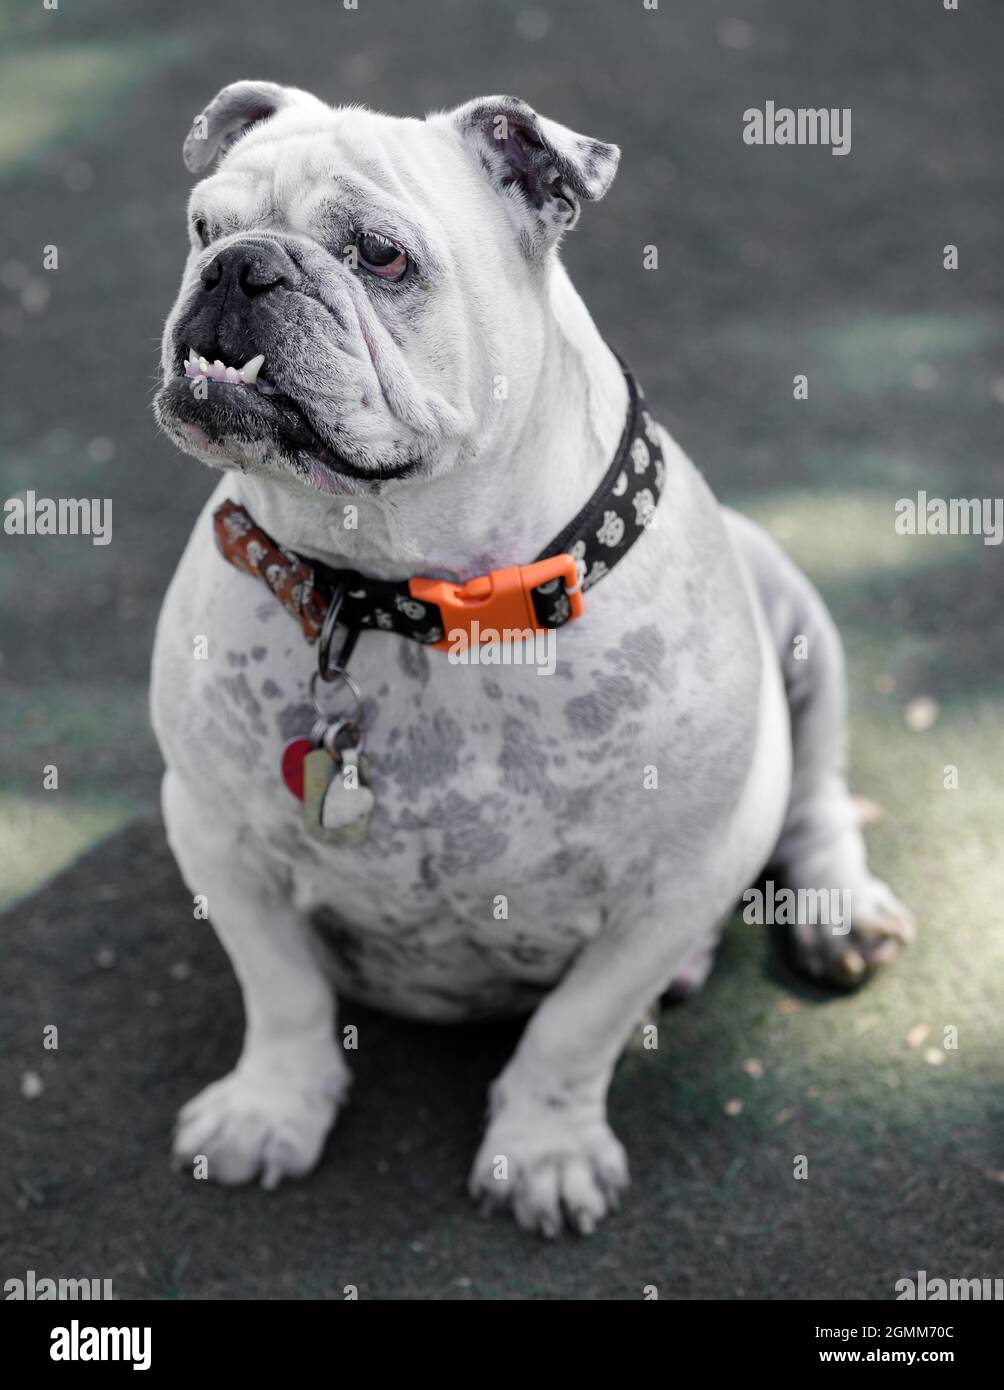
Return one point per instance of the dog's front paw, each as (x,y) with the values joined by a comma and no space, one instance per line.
(261,1121)
(880,927)
(548,1165)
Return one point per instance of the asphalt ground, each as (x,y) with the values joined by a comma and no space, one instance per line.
(772,262)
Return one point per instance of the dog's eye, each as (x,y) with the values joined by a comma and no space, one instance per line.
(201,230)
(380,256)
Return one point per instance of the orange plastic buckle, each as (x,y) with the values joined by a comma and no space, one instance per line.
(498,600)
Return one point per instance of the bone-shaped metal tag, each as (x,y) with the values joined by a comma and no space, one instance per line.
(319,769)
(348,802)
(337,800)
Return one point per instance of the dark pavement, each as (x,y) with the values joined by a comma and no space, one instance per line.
(772,262)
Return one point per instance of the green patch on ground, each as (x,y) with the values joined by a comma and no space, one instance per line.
(81,465)
(40,835)
(99,741)
(852,532)
(59,465)
(884,356)
(879,355)
(57,89)
(91,731)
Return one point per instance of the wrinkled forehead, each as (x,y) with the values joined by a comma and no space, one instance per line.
(346,166)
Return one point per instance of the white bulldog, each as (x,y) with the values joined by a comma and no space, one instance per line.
(388,359)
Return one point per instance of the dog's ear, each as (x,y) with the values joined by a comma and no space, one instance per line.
(231,113)
(543,169)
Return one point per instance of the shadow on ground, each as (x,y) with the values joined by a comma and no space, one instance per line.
(149,1011)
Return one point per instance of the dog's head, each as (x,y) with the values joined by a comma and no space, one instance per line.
(363,293)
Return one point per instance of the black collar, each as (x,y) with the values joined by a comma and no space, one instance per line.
(544,594)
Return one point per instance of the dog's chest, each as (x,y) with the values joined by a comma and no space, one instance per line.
(510,804)
(516,812)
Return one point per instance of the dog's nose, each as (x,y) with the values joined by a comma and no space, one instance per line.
(253,269)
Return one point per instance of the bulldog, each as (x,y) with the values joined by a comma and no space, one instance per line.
(376,342)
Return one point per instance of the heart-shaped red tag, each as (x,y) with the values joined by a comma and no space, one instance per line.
(292,764)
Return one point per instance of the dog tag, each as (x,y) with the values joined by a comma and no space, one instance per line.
(337,800)
(295,752)
(348,802)
(291,766)
(319,769)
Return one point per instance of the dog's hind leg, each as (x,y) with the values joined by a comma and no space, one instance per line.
(271,1114)
(821,851)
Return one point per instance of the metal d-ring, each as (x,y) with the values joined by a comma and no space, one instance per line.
(327,632)
(325,667)
(338,673)
(330,738)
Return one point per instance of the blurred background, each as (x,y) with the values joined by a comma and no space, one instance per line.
(772,262)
